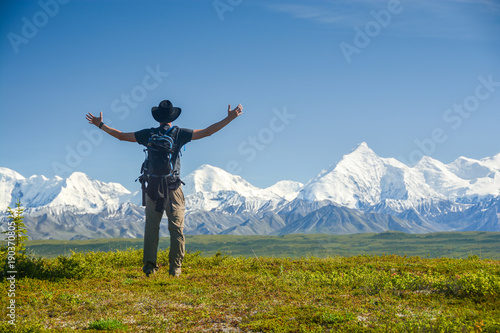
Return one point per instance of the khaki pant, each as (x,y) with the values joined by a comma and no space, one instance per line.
(175,213)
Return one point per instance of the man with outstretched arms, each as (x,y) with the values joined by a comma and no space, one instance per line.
(161,173)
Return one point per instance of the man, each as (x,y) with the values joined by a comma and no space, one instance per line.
(165,194)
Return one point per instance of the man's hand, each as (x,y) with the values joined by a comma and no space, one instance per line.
(93,119)
(232,114)
(111,131)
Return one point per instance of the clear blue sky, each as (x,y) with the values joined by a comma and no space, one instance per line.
(337,72)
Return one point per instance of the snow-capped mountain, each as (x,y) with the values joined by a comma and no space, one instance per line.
(286,189)
(210,179)
(211,188)
(363,179)
(361,193)
(77,193)
(8,180)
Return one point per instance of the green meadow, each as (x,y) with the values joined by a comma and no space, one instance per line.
(388,282)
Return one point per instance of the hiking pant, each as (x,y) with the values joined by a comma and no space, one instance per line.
(175,213)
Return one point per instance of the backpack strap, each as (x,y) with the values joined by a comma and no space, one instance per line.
(174,130)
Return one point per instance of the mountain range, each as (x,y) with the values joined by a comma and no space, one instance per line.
(360,193)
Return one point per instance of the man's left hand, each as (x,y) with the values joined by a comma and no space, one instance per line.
(232,114)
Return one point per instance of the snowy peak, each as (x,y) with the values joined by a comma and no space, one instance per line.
(208,178)
(359,158)
(491,162)
(360,153)
(360,178)
(440,178)
(210,188)
(9,174)
(467,168)
(37,191)
(463,178)
(77,192)
(8,181)
(80,182)
(83,193)
(286,189)
(362,149)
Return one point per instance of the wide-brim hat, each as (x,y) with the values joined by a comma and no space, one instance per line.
(165,112)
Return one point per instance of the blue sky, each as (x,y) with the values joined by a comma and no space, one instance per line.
(315,79)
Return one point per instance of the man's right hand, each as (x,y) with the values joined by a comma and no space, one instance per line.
(93,119)
(111,131)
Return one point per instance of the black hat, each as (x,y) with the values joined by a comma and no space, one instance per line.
(165,112)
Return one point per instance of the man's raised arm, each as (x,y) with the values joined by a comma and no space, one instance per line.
(231,115)
(111,131)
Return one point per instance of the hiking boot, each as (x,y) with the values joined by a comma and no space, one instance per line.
(150,272)
(176,272)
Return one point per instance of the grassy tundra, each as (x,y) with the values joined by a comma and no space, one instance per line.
(97,291)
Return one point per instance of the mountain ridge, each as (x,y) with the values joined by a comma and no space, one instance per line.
(430,196)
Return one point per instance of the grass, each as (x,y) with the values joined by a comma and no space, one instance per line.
(434,245)
(97,291)
(107,325)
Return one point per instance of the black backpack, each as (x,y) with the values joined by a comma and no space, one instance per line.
(161,155)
